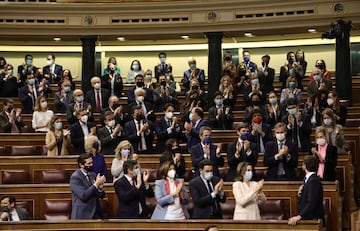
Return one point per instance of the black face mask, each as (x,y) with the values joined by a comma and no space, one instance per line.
(255,103)
(320,66)
(195,88)
(140,117)
(139,84)
(9,109)
(88,168)
(163,83)
(176,150)
(242,72)
(96,145)
(115,105)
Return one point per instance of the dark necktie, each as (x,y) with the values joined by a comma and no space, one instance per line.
(98,102)
(140,140)
(10,216)
(304,180)
(281,170)
(168,123)
(209,186)
(243,150)
(89,178)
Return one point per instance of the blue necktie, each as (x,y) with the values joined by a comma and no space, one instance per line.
(304,180)
(10,217)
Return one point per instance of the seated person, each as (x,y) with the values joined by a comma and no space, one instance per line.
(260,131)
(241,150)
(220,116)
(168,127)
(135,69)
(139,83)
(281,156)
(10,212)
(298,126)
(339,110)
(206,150)
(10,118)
(227,91)
(193,73)
(64,97)
(172,154)
(139,131)
(163,94)
(97,97)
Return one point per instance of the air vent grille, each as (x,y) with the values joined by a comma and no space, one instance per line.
(150,20)
(31,21)
(275,14)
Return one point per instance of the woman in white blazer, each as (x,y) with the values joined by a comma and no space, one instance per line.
(171,195)
(247,193)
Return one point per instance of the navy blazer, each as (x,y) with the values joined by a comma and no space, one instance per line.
(224,122)
(310,205)
(158,69)
(330,163)
(148,95)
(203,202)
(129,198)
(60,105)
(108,143)
(267,137)
(90,98)
(193,137)
(133,138)
(118,84)
(233,161)
(163,135)
(197,155)
(200,77)
(58,70)
(77,137)
(26,100)
(271,148)
(85,196)
(304,132)
(71,118)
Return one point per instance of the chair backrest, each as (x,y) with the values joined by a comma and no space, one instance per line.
(15,177)
(188,175)
(26,204)
(152,174)
(260,173)
(228,208)
(327,214)
(57,209)
(272,209)
(23,150)
(107,208)
(223,171)
(2,150)
(54,177)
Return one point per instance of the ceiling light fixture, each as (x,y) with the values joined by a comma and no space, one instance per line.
(185,36)
(248,34)
(312,30)
(57,39)
(120,38)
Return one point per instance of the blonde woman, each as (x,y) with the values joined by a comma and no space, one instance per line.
(57,139)
(227,90)
(93,147)
(42,115)
(124,151)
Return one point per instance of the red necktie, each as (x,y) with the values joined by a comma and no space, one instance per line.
(98,102)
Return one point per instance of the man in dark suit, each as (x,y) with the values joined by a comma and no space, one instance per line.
(192,128)
(220,116)
(97,97)
(139,82)
(117,110)
(206,150)
(87,189)
(163,94)
(193,73)
(26,68)
(64,97)
(52,72)
(241,150)
(163,67)
(281,156)
(131,189)
(319,85)
(139,100)
(260,131)
(10,118)
(298,125)
(80,130)
(266,75)
(168,127)
(206,192)
(310,205)
(139,131)
(9,211)
(110,135)
(77,105)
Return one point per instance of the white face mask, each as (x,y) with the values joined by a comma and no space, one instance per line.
(111,123)
(208,175)
(140,99)
(43,104)
(280,136)
(248,175)
(97,86)
(84,119)
(171,173)
(49,62)
(330,101)
(169,115)
(320,141)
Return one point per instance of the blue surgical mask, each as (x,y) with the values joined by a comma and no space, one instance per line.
(255,81)
(162,60)
(67,89)
(148,77)
(29,62)
(244,136)
(292,111)
(58,125)
(125,153)
(248,175)
(219,102)
(273,100)
(80,99)
(292,84)
(291,60)
(207,140)
(31,81)
(246,59)
(327,122)
(208,175)
(317,77)
(136,171)
(135,67)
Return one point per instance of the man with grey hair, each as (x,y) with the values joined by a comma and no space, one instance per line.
(193,73)
(98,97)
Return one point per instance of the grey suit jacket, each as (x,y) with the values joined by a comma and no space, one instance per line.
(22,213)
(84,196)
